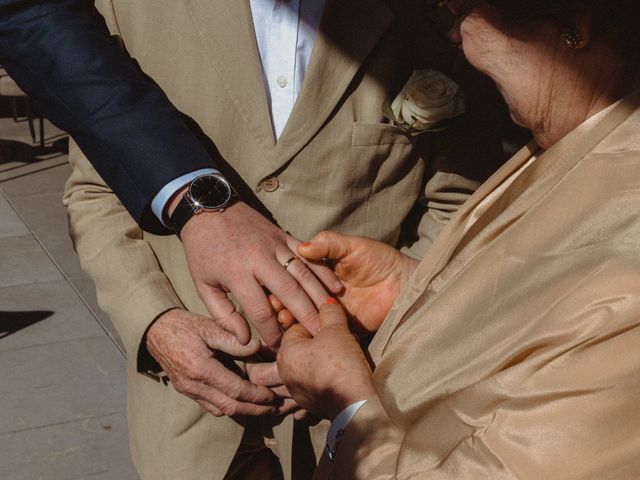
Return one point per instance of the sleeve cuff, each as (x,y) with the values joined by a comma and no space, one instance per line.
(339,425)
(161,199)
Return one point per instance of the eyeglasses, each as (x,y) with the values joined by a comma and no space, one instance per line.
(442,19)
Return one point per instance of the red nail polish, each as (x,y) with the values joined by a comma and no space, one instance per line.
(331,301)
(306,244)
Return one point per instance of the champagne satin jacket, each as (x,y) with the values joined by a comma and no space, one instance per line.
(514,351)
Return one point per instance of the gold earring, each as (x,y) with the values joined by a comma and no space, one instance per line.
(572,39)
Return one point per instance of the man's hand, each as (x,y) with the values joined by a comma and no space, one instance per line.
(185,345)
(239,251)
(328,372)
(372,273)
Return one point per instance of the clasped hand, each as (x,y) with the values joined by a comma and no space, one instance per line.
(327,372)
(187,346)
(237,251)
(190,349)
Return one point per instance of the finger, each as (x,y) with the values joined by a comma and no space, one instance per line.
(285,319)
(281,391)
(225,314)
(275,302)
(332,315)
(299,270)
(324,274)
(214,378)
(219,404)
(331,245)
(265,374)
(291,294)
(288,405)
(301,414)
(327,276)
(256,306)
(295,334)
(218,339)
(210,408)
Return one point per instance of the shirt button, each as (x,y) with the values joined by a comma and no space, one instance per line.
(282,81)
(270,184)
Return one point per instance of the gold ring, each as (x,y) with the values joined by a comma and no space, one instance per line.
(286,264)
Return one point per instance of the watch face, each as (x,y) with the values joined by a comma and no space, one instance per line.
(210,192)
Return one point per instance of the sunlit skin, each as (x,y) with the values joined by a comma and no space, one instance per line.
(321,387)
(371,272)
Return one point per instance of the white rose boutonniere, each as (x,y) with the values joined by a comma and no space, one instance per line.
(428,98)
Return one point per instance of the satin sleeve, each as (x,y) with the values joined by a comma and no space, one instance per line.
(368,449)
(561,403)
(574,419)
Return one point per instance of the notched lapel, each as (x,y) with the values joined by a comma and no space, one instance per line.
(226,29)
(349,30)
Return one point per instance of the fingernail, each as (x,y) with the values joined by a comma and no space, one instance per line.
(331,301)
(306,244)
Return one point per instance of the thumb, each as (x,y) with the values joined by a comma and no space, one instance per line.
(330,245)
(332,315)
(218,338)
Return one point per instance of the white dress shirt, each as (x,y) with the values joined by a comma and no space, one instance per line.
(285,32)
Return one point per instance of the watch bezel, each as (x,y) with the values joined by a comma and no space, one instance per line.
(199,204)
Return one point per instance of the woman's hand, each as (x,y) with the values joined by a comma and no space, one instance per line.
(328,372)
(372,273)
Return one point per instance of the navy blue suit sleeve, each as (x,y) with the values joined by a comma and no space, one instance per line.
(60,53)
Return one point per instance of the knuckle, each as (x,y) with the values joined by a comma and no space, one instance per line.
(308,318)
(191,371)
(261,313)
(290,287)
(229,408)
(255,376)
(182,385)
(322,236)
(304,274)
(234,391)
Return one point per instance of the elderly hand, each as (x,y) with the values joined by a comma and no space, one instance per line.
(328,372)
(372,273)
(267,375)
(186,345)
(239,251)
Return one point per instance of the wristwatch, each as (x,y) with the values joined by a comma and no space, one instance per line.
(206,193)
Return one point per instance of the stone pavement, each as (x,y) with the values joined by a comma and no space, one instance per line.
(62,367)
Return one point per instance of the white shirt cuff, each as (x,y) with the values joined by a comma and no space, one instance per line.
(160,201)
(339,425)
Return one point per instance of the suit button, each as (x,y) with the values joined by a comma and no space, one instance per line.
(270,184)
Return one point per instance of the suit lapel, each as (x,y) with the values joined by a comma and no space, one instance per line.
(348,32)
(226,29)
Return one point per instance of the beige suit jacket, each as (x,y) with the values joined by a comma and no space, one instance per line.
(338,165)
(513,352)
